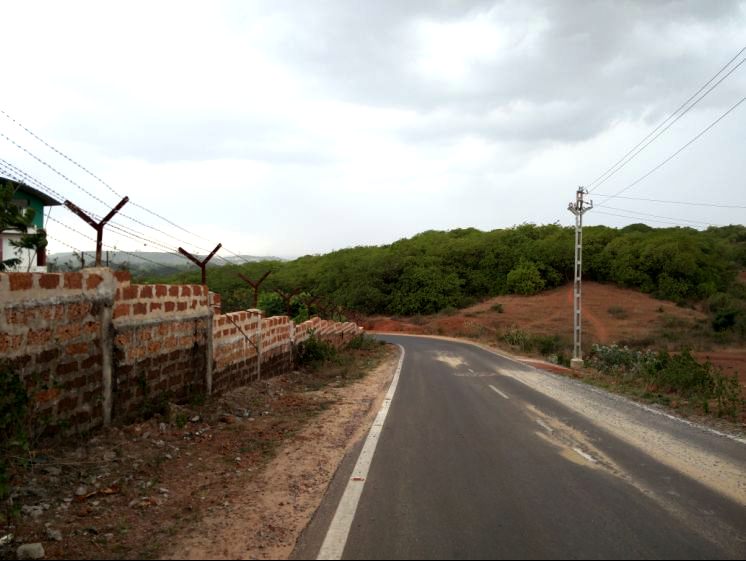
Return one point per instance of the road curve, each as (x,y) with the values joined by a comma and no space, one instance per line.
(481,457)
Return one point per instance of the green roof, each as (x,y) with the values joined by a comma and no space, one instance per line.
(23,188)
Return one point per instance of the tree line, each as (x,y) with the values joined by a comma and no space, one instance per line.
(436,270)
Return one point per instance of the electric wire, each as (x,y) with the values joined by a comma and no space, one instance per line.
(639,218)
(104,183)
(645,214)
(16,172)
(679,151)
(632,154)
(686,203)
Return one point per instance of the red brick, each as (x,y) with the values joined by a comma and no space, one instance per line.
(49,282)
(41,337)
(130,293)
(170,306)
(47,356)
(140,309)
(77,349)
(66,333)
(121,310)
(90,362)
(155,306)
(197,290)
(146,292)
(47,396)
(53,313)
(182,306)
(21,281)
(19,317)
(186,290)
(74,281)
(161,291)
(123,276)
(173,291)
(67,368)
(93,281)
(78,311)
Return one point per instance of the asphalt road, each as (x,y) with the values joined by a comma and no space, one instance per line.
(474,462)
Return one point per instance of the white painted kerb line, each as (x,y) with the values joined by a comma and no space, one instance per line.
(339,530)
(498,392)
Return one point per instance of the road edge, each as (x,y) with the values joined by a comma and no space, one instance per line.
(339,529)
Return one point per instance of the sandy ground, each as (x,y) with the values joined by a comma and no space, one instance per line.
(265,518)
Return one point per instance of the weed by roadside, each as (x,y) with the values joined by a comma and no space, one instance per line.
(673,378)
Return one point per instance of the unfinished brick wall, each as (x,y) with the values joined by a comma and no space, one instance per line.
(52,331)
(91,347)
(160,347)
(236,349)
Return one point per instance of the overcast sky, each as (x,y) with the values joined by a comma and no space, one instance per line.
(287,128)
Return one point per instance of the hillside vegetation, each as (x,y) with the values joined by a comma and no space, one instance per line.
(436,270)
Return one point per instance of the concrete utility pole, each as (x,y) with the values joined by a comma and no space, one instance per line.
(579,208)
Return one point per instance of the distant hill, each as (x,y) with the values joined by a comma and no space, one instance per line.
(145,262)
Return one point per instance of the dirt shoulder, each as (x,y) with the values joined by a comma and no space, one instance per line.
(266,517)
(238,477)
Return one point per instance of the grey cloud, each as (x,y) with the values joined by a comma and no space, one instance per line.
(606,61)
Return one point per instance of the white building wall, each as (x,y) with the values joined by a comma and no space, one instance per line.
(28,258)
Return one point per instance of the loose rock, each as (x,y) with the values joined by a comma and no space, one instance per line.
(31,551)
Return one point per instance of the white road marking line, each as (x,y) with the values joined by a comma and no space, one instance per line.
(501,394)
(545,426)
(339,530)
(588,457)
(470,370)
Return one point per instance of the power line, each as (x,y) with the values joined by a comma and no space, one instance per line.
(55,170)
(15,171)
(658,216)
(679,151)
(639,218)
(687,203)
(45,143)
(634,151)
(97,178)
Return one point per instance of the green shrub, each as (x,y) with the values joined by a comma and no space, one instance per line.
(313,352)
(525,279)
(518,338)
(14,416)
(364,342)
(548,345)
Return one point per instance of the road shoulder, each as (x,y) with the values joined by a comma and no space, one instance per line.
(267,516)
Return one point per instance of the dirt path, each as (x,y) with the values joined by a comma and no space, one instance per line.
(264,519)
(602,333)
